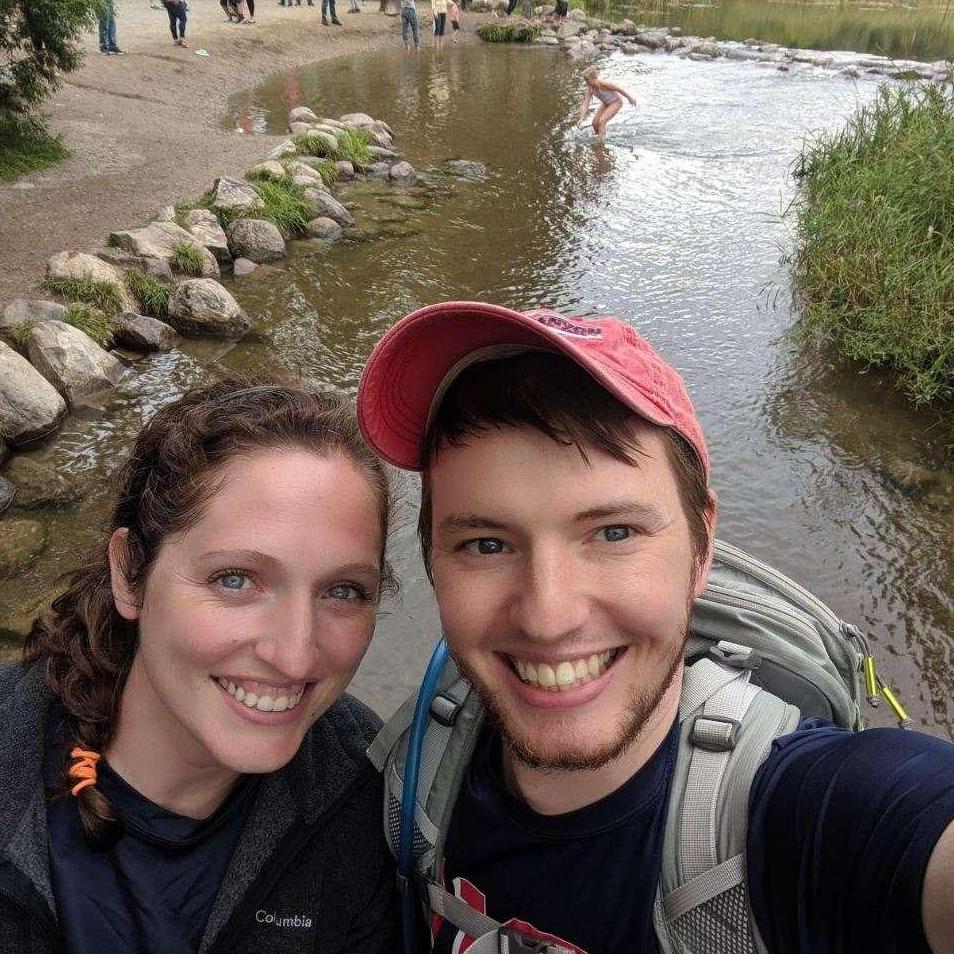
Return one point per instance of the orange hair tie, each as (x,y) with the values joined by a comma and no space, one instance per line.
(83,768)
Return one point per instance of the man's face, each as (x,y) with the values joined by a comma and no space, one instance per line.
(564,588)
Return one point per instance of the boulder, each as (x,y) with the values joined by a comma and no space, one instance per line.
(308,182)
(257,240)
(582,51)
(21,542)
(465,168)
(381,126)
(23,314)
(344,170)
(335,131)
(157,267)
(307,170)
(269,169)
(325,204)
(8,492)
(302,114)
(234,195)
(204,227)
(166,214)
(159,240)
(283,150)
(81,265)
(243,267)
(4,451)
(336,123)
(547,41)
(298,128)
(379,170)
(202,307)
(325,139)
(382,139)
(402,172)
(39,485)
(323,228)
(71,361)
(144,333)
(30,407)
(379,152)
(358,120)
(651,41)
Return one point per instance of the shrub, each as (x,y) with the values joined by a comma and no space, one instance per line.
(285,205)
(20,331)
(106,296)
(512,32)
(93,322)
(315,144)
(187,258)
(26,146)
(873,265)
(151,293)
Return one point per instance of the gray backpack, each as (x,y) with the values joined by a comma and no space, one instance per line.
(763,653)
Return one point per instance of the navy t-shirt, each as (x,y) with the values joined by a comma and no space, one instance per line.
(842,826)
(152,891)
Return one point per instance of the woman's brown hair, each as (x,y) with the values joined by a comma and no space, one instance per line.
(84,644)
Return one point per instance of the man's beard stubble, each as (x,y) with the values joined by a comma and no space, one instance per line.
(631,723)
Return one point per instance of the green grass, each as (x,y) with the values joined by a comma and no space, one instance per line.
(20,331)
(186,258)
(873,264)
(182,211)
(26,146)
(106,296)
(352,144)
(151,293)
(326,169)
(285,205)
(93,322)
(312,144)
(509,32)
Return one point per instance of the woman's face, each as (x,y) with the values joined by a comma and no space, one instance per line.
(253,621)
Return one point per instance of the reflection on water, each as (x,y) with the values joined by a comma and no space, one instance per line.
(673,224)
(918,32)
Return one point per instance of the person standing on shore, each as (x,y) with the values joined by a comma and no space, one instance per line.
(409,25)
(177,20)
(326,6)
(107,31)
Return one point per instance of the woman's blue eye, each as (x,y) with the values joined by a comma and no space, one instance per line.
(616,534)
(346,591)
(233,581)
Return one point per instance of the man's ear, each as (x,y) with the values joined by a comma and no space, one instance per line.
(702,576)
(124,599)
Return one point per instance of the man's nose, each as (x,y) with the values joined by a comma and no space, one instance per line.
(290,645)
(550,602)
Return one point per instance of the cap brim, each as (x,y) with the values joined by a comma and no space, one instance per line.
(412,361)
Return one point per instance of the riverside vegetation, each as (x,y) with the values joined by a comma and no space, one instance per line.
(873,262)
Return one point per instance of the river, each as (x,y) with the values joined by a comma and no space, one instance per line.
(674,225)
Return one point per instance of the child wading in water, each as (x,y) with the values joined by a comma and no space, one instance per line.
(453,11)
(609,94)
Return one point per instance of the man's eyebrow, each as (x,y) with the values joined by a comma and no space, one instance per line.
(469,521)
(622,508)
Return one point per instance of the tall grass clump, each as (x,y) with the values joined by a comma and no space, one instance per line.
(93,322)
(151,293)
(186,258)
(103,295)
(511,32)
(26,146)
(353,146)
(873,265)
(285,205)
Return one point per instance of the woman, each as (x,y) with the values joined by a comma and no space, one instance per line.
(439,9)
(610,96)
(181,770)
(177,11)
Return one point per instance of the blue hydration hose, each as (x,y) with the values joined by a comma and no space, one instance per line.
(412,766)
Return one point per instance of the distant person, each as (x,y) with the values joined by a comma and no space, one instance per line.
(230,10)
(246,10)
(409,25)
(560,10)
(328,6)
(609,94)
(107,32)
(453,11)
(177,20)
(355,7)
(439,10)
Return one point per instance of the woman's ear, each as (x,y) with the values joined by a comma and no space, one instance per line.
(124,598)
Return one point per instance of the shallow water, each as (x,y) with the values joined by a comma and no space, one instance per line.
(674,225)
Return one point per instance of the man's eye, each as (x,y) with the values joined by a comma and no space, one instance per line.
(485,546)
(347,591)
(615,534)
(232,580)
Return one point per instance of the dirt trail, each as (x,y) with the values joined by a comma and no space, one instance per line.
(144,128)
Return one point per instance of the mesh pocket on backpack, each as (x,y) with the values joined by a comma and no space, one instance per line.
(717,926)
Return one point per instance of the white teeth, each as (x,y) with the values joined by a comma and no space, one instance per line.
(263,703)
(566,675)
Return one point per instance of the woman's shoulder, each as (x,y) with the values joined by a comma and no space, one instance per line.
(344,732)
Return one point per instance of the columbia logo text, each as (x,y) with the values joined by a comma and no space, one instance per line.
(283,921)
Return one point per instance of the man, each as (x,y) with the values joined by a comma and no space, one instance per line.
(567,526)
(107,31)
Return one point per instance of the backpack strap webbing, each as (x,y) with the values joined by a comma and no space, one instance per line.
(727,728)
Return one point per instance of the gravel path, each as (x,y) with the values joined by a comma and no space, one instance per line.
(144,128)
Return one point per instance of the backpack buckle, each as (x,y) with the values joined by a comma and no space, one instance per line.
(714,733)
(735,656)
(512,941)
(444,710)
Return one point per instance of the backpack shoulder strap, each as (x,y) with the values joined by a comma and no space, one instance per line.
(726,731)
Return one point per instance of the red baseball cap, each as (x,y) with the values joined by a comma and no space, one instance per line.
(412,366)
